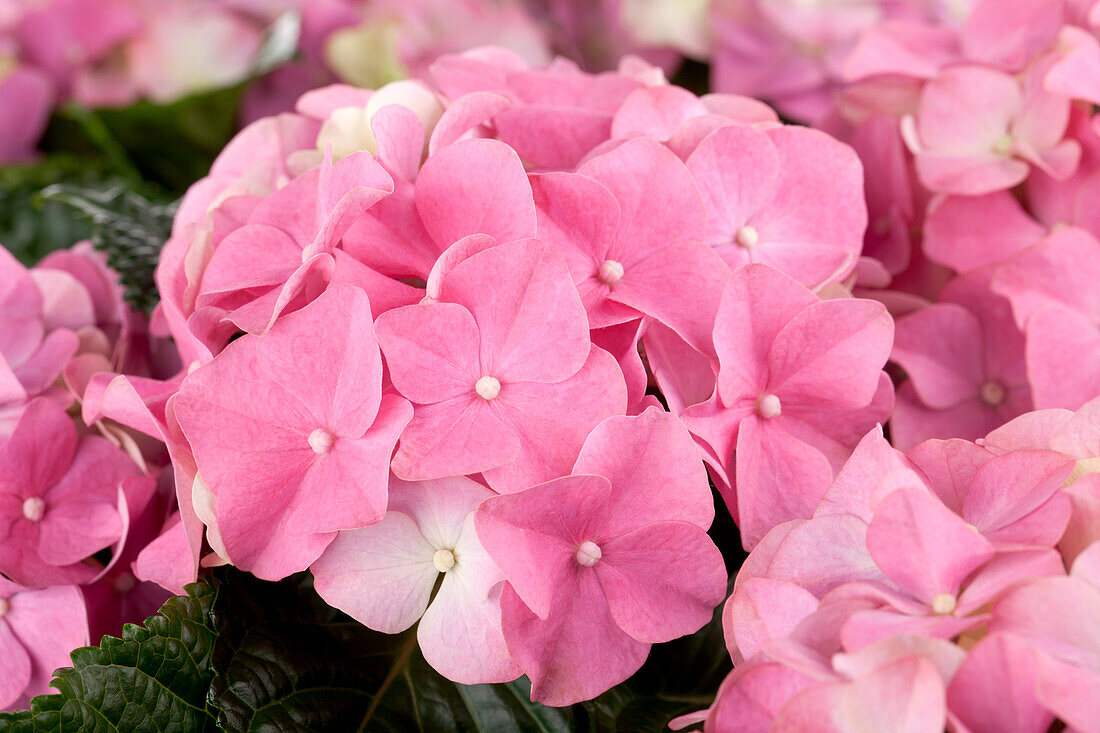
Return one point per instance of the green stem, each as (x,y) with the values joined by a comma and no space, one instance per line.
(399,664)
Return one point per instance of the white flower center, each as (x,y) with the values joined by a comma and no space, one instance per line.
(610,272)
(320,440)
(34,509)
(487,387)
(589,553)
(1003,145)
(943,604)
(768,406)
(993,394)
(443,560)
(747,237)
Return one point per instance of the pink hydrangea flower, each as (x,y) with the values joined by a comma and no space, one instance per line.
(614,557)
(36,340)
(500,370)
(978,130)
(964,357)
(630,224)
(294,232)
(59,498)
(800,382)
(788,197)
(38,629)
(383,576)
(300,450)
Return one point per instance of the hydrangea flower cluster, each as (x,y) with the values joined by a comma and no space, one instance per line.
(77,504)
(473,349)
(929,590)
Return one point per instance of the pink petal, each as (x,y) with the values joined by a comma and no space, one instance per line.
(905,696)
(460,435)
(381,575)
(757,303)
(49,623)
(779,478)
(924,548)
(472,187)
(431,351)
(530,319)
(534,535)
(679,285)
(762,609)
(551,421)
(654,468)
(658,199)
(557,653)
(1063,358)
(831,354)
(951,239)
(655,112)
(737,170)
(941,348)
(662,581)
(15,667)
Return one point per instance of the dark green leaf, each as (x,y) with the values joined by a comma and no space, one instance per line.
(31,228)
(152,680)
(286,661)
(128,227)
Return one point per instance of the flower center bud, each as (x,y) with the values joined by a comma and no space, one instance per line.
(34,509)
(125,583)
(320,440)
(4,607)
(610,272)
(487,387)
(943,604)
(1003,145)
(589,553)
(768,406)
(993,394)
(443,560)
(747,237)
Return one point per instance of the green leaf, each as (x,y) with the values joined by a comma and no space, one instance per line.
(128,227)
(153,680)
(31,228)
(286,661)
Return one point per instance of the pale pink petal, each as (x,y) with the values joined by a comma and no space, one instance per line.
(381,575)
(905,696)
(761,609)
(924,548)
